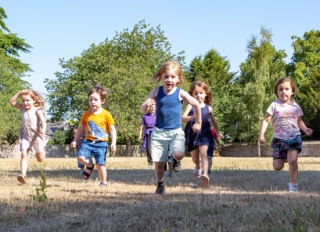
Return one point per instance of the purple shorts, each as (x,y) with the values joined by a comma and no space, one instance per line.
(281,146)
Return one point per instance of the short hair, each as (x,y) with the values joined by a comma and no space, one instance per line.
(164,67)
(283,80)
(201,84)
(99,90)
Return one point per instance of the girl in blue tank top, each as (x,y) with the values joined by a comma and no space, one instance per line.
(168,137)
(198,142)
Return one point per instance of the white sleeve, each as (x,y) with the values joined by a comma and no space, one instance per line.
(271,108)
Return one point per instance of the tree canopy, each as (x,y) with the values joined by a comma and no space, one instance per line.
(124,65)
(11,72)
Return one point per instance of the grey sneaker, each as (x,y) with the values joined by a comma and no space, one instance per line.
(176,165)
(160,189)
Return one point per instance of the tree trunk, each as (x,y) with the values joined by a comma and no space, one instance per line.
(259,151)
(128,147)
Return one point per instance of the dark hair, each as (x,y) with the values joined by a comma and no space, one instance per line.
(283,80)
(164,67)
(201,84)
(99,90)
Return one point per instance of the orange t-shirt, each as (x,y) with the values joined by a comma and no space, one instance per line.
(97,125)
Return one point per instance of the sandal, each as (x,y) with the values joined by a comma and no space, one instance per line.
(21,178)
(205,181)
(85,174)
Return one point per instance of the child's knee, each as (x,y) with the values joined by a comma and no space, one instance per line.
(40,157)
(178,155)
(278,165)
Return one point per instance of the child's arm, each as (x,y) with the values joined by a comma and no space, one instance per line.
(302,126)
(113,134)
(185,116)
(214,121)
(142,127)
(263,128)
(150,101)
(13,100)
(192,101)
(42,119)
(79,132)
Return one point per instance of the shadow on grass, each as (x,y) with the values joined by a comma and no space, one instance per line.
(233,180)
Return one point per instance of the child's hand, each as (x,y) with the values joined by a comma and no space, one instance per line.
(196,127)
(221,136)
(113,148)
(262,140)
(73,144)
(25,91)
(308,131)
(41,131)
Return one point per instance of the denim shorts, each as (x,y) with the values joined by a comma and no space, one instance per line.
(98,149)
(165,142)
(281,146)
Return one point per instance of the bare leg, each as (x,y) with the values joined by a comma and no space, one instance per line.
(203,149)
(195,158)
(278,164)
(102,173)
(40,156)
(24,162)
(293,165)
(159,171)
(178,155)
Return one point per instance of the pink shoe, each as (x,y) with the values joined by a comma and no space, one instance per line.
(204,181)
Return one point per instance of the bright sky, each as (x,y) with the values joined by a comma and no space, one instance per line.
(64,28)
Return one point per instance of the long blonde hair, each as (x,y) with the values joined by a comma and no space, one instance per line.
(167,65)
(39,101)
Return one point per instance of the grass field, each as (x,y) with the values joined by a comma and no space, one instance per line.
(245,194)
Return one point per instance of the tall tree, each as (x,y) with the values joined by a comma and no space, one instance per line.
(259,73)
(11,72)
(124,65)
(214,70)
(305,70)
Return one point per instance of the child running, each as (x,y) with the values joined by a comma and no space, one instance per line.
(33,128)
(286,121)
(168,134)
(147,126)
(97,123)
(198,142)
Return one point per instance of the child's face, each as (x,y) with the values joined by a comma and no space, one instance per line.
(95,101)
(27,101)
(152,109)
(199,94)
(170,79)
(285,92)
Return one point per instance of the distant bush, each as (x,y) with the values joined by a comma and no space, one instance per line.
(59,137)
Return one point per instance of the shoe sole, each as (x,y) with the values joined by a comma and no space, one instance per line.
(21,179)
(205,181)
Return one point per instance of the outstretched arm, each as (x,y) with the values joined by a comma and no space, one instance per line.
(185,116)
(150,101)
(302,126)
(79,132)
(263,128)
(192,101)
(214,121)
(113,134)
(13,100)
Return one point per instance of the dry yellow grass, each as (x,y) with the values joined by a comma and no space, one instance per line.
(245,194)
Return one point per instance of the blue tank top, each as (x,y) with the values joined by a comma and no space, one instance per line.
(168,110)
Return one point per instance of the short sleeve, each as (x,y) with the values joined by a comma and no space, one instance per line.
(271,109)
(143,121)
(84,119)
(110,119)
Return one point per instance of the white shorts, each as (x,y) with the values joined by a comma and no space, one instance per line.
(166,142)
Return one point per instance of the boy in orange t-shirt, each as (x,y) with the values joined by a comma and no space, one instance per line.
(96,123)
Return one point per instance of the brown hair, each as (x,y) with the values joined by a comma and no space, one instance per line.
(201,84)
(164,67)
(39,101)
(99,90)
(283,80)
